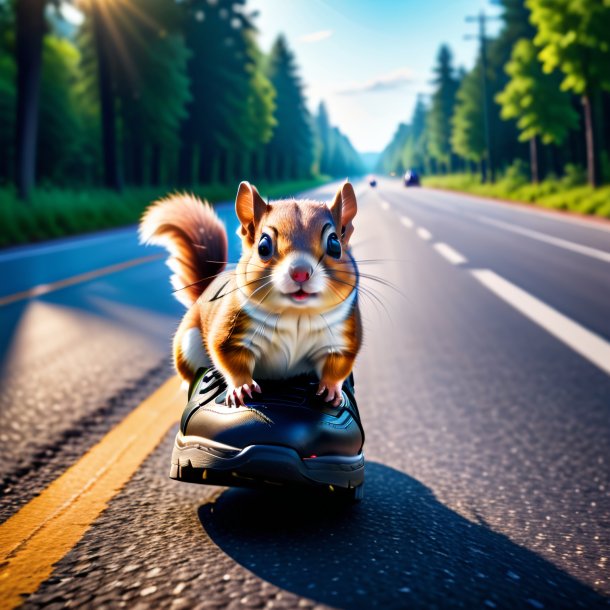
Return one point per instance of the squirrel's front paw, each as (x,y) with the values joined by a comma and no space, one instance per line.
(236,394)
(333,391)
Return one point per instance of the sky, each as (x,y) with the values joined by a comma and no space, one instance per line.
(368,59)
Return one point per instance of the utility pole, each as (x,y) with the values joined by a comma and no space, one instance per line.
(489,169)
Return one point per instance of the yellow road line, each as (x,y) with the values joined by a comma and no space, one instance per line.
(46,529)
(41,289)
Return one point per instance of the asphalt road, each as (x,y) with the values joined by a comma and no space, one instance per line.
(485,393)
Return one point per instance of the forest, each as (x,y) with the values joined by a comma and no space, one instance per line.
(152,94)
(535,108)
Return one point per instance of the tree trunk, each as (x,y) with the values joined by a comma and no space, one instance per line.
(601,142)
(592,173)
(112,177)
(534,160)
(185,160)
(137,159)
(206,164)
(30,26)
(155,165)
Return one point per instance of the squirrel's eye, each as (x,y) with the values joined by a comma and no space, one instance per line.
(265,247)
(333,246)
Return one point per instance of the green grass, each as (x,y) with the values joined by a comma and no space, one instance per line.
(52,213)
(558,194)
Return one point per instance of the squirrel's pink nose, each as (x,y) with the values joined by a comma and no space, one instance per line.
(300,273)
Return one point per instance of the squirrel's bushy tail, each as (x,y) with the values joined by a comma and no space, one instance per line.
(195,238)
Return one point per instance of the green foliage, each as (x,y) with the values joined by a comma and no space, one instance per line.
(144,41)
(323,134)
(550,193)
(336,155)
(7,90)
(442,107)
(415,151)
(573,37)
(61,136)
(467,136)
(259,121)
(57,212)
(391,160)
(574,175)
(291,147)
(7,112)
(516,174)
(535,99)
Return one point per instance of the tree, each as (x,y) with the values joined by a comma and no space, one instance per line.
(441,109)
(8,94)
(505,143)
(259,121)
(337,156)
(573,37)
(150,108)
(323,129)
(218,36)
(467,136)
(534,98)
(61,126)
(390,160)
(415,150)
(290,151)
(128,46)
(30,27)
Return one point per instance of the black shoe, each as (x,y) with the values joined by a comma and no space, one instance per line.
(286,435)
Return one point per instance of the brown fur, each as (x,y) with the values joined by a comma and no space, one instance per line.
(195,237)
(198,244)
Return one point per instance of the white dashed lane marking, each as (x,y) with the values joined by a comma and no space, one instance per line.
(424,233)
(586,343)
(385,205)
(549,239)
(453,256)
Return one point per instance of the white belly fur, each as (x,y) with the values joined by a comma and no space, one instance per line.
(285,345)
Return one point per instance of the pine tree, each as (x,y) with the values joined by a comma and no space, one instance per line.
(30,30)
(61,128)
(290,151)
(141,41)
(8,93)
(534,98)
(336,154)
(415,151)
(260,107)
(467,136)
(323,129)
(441,109)
(220,72)
(391,159)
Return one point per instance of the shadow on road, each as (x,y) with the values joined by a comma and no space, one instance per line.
(399,548)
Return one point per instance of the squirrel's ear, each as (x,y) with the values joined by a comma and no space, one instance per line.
(343,209)
(249,207)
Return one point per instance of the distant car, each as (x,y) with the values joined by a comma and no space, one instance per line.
(411,178)
(372,181)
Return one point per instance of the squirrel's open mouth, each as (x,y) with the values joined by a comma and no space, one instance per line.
(301,295)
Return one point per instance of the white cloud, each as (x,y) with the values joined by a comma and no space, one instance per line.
(316,36)
(393,80)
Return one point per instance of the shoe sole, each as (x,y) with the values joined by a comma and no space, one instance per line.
(199,460)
